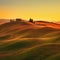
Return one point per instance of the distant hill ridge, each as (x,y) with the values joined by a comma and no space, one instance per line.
(24,29)
(31,22)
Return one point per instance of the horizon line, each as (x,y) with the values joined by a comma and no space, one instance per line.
(28,19)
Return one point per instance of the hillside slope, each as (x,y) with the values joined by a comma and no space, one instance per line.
(23,40)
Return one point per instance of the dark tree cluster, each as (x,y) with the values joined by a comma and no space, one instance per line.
(31,20)
(19,20)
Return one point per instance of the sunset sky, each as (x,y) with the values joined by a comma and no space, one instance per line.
(48,10)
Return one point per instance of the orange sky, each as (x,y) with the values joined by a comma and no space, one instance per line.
(48,10)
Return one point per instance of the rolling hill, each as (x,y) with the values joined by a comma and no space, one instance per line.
(23,40)
(48,24)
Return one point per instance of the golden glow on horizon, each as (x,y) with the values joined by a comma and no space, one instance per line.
(47,12)
(48,16)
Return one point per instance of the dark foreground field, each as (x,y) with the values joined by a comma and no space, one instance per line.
(27,41)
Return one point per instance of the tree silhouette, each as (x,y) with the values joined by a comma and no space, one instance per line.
(31,20)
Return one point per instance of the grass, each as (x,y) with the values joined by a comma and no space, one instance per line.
(44,52)
(4,37)
(54,57)
(19,45)
(33,49)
